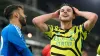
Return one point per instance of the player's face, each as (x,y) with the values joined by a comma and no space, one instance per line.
(22,17)
(66,13)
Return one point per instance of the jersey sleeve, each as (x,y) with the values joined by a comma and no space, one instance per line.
(83,31)
(18,43)
(50,32)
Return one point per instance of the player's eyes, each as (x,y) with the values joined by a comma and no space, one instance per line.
(62,10)
(69,10)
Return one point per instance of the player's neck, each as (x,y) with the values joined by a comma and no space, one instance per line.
(66,25)
(15,22)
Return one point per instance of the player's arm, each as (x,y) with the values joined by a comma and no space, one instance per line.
(18,43)
(39,21)
(90,16)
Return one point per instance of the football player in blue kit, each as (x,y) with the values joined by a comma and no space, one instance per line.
(12,39)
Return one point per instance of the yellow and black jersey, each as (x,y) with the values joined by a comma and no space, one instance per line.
(98,50)
(66,42)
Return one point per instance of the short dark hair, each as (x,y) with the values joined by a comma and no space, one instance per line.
(9,9)
(66,4)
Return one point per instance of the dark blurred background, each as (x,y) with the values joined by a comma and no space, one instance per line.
(33,8)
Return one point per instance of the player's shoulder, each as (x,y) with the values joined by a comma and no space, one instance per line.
(78,26)
(9,28)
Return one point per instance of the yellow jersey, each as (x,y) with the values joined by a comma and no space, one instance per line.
(66,42)
(98,50)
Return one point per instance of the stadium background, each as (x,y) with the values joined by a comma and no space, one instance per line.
(37,7)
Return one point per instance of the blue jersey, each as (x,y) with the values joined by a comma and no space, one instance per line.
(13,43)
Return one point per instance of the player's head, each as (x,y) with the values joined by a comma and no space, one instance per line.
(66,13)
(15,12)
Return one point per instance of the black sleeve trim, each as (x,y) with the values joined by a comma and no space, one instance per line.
(83,28)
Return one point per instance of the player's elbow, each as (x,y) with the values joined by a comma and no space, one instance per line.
(35,21)
(94,17)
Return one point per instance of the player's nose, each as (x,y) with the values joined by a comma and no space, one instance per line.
(65,12)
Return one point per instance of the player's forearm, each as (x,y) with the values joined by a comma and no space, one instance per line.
(88,15)
(42,18)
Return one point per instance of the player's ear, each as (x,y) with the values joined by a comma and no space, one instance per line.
(15,14)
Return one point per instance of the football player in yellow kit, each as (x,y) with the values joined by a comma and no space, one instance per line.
(67,39)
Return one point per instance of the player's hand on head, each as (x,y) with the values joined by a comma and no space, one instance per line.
(56,14)
(76,11)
